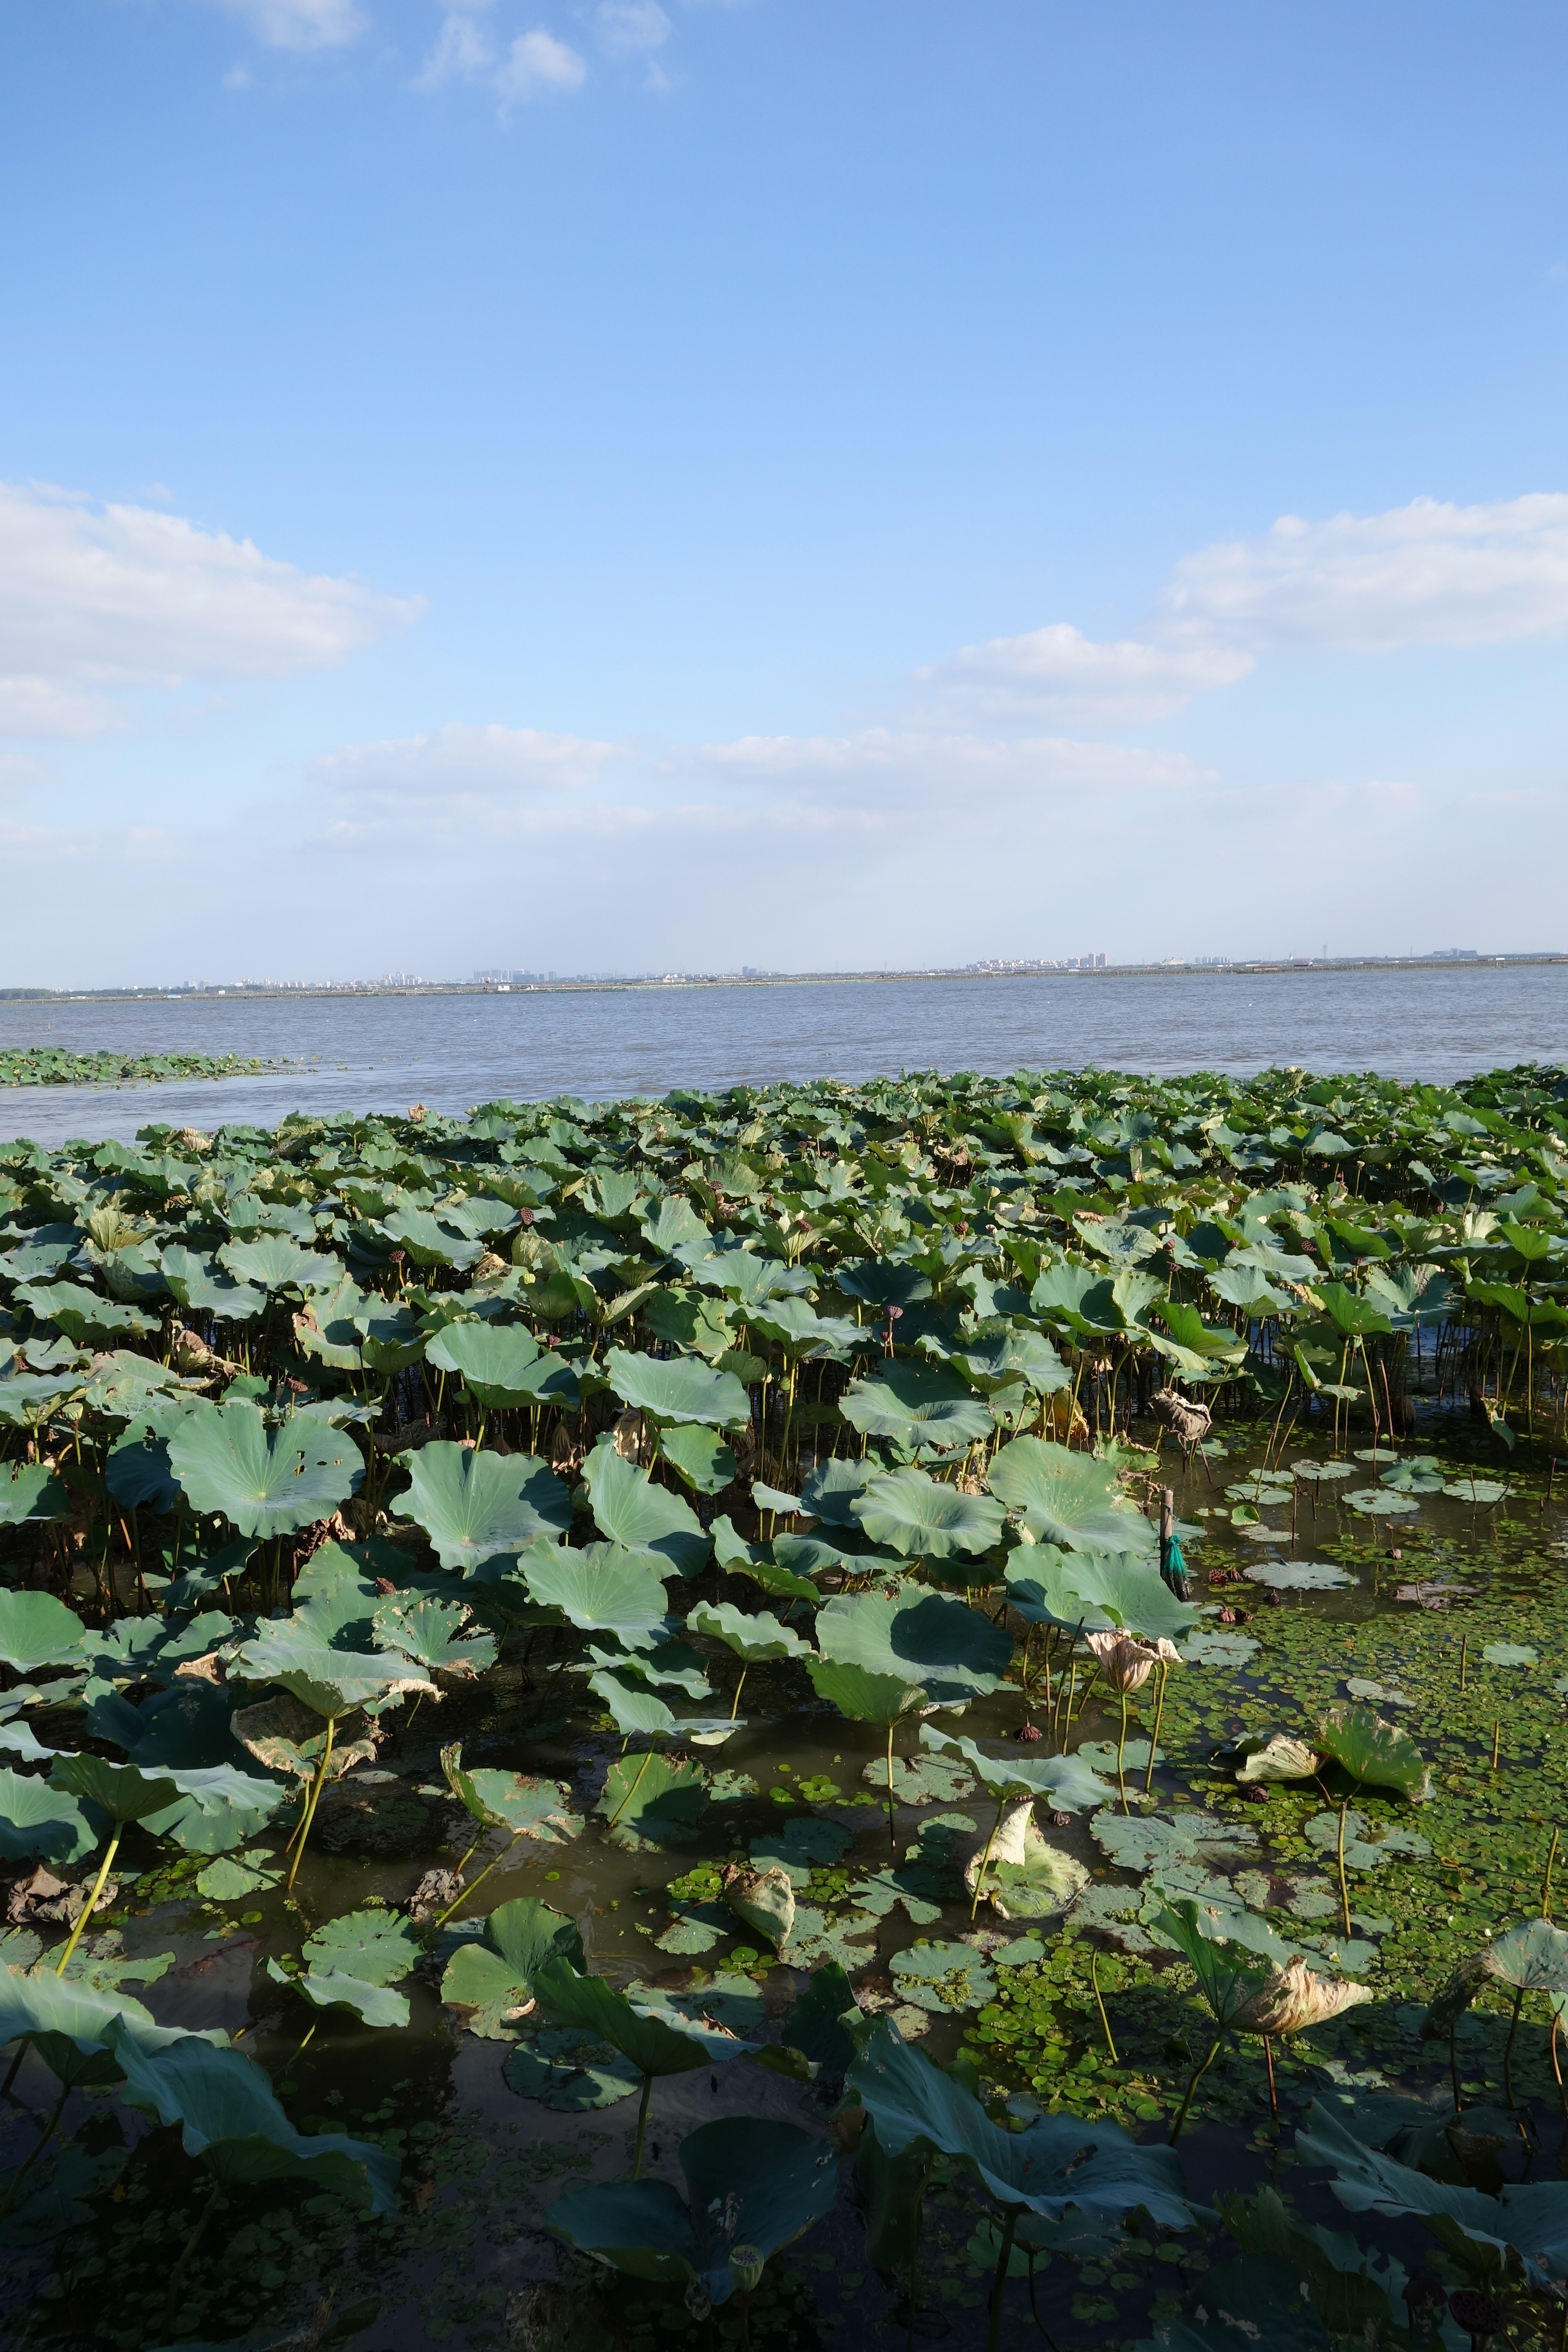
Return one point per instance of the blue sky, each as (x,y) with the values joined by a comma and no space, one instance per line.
(666,485)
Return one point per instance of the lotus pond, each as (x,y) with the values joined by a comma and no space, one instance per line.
(931,1711)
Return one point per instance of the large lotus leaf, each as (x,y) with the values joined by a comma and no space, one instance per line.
(1298,1575)
(432,1632)
(603,1589)
(1532,1959)
(492,1358)
(30,1495)
(273,1261)
(218,1808)
(750,2182)
(1374,1752)
(227,2113)
(265,1485)
(997,1359)
(37,1630)
(474,1505)
(678,1388)
(633,1708)
(137,1471)
(26,1397)
(200,1283)
(630,1510)
(122,1791)
(1529,2219)
(373,2005)
(799,1846)
(35,1819)
(671,1224)
(827,2024)
(81,1314)
(1227,1980)
(495,1978)
(917,1404)
(589,2003)
(430,1242)
(700,1455)
(760,1562)
(921,1519)
(1069,1498)
(1367,1843)
(77,2012)
(1077,1298)
(1098,1589)
(650,1801)
(1162,1842)
(571,2073)
(1027,1877)
(330,1682)
(234,1876)
(865,1695)
(1057,2163)
(954,1653)
(1065,1781)
(752,1637)
(803,1333)
(924,1779)
(514,1801)
(376,1947)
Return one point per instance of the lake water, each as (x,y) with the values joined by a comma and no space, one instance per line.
(383,1053)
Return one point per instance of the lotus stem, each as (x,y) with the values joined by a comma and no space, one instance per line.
(631,1792)
(308,2038)
(740,1686)
(985,1860)
(1120,1755)
(993,2334)
(892,1796)
(1546,1882)
(15,2068)
(1508,2053)
(38,2147)
(63,1963)
(1197,2076)
(1464,1660)
(642,2125)
(1034,2308)
(1497,1735)
(1268,2062)
(176,2276)
(308,1813)
(1155,1735)
(1454,2068)
(1339,1856)
(1100,2004)
(464,1892)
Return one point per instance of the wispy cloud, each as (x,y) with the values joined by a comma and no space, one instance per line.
(95,601)
(299,24)
(532,65)
(630,28)
(453,776)
(1430,573)
(909,767)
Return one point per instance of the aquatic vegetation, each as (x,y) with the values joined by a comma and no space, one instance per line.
(662,1522)
(52,1066)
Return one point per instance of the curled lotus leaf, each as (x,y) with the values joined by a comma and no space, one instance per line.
(1374,1752)
(1294,1998)
(753,1636)
(1025,1877)
(493,1977)
(919,1518)
(1066,1782)
(515,1802)
(286,1736)
(763,1900)
(1531,1958)
(1280,1757)
(332,1682)
(494,1358)
(630,1510)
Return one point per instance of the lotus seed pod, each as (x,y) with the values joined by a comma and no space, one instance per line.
(746,2268)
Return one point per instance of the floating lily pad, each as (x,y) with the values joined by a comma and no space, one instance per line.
(233,1876)
(814,1937)
(1155,1840)
(1477,1490)
(1511,1653)
(375,1946)
(1368,1843)
(1382,1502)
(569,2071)
(800,1846)
(949,1977)
(1300,1575)
(1221,1648)
(920,1780)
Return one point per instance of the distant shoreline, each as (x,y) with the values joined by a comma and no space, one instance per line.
(351,991)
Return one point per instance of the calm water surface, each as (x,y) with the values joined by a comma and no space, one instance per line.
(450,1052)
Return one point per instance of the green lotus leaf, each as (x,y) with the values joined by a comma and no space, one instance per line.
(1096,1591)
(1368,1844)
(751,2183)
(273,1261)
(917,1404)
(376,1947)
(233,1877)
(803,1334)
(763,1901)
(798,1847)
(229,2115)
(650,1801)
(30,1495)
(1055,2165)
(216,1808)
(27,1397)
(37,1630)
(1298,1575)
(1511,1653)
(759,1563)
(998,1359)
(429,1241)
(864,1695)
(1227,1980)
(373,2005)
(678,1388)
(1069,1498)
(515,1802)
(265,1484)
(1375,1753)
(700,1455)
(495,1978)
(1026,1878)
(602,1590)
(474,1505)
(1478,1490)
(1531,1958)
(589,2003)
(940,1977)
(924,1779)
(751,1637)
(920,1518)
(571,2073)
(41,1821)
(953,1653)
(432,1632)
(330,1682)
(1065,1781)
(631,1511)
(81,1314)
(137,1472)
(672,1223)
(122,1791)
(494,1358)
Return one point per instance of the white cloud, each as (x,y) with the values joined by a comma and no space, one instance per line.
(299,24)
(96,599)
(463,50)
(629,28)
(455,772)
(1427,575)
(905,767)
(539,66)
